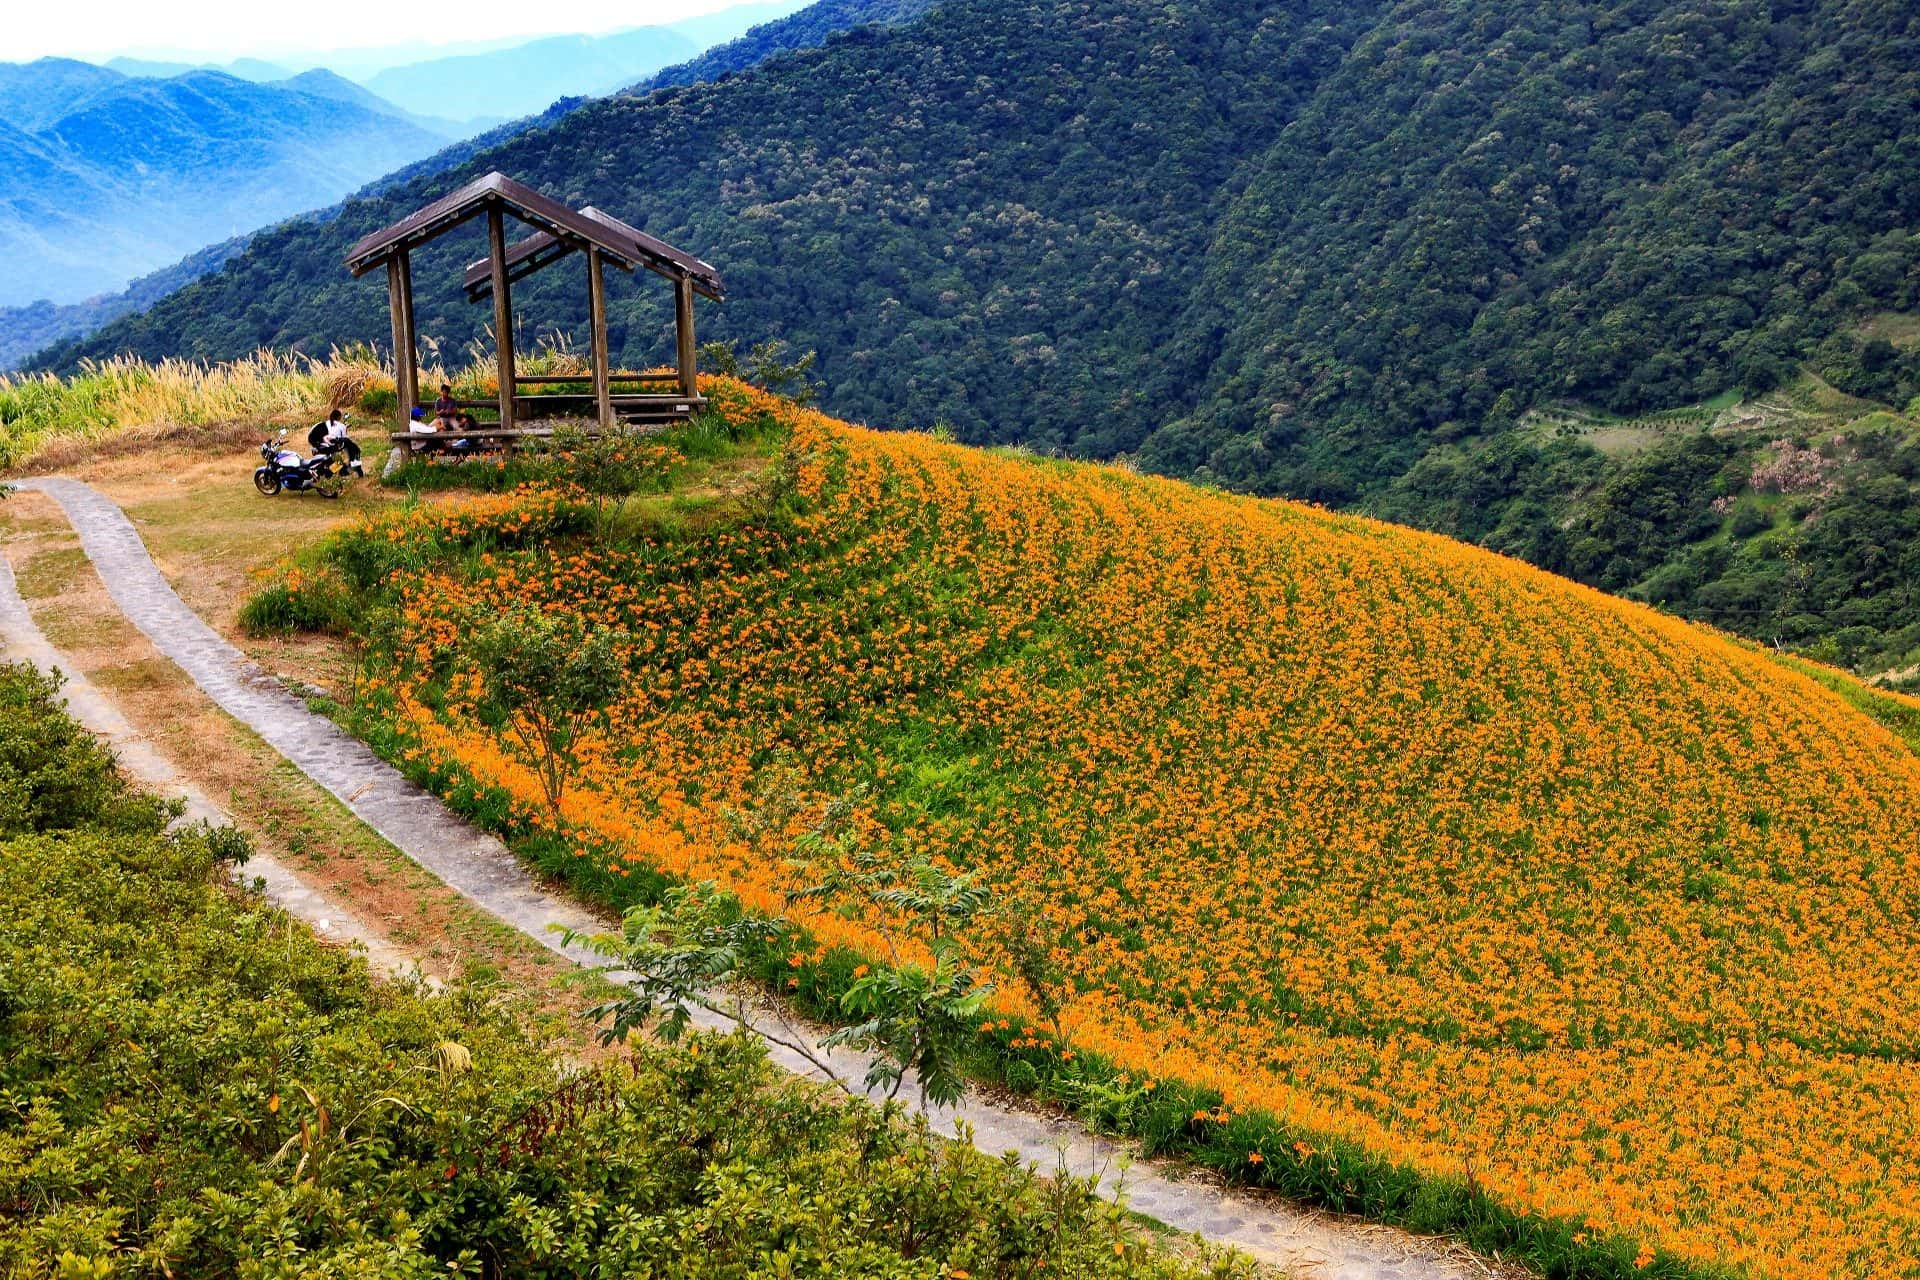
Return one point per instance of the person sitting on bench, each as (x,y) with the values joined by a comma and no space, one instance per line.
(465,422)
(418,424)
(446,408)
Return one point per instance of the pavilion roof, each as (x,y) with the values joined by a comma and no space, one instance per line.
(493,189)
(536,251)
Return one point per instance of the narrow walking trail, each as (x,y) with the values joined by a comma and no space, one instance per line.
(484,870)
(22,641)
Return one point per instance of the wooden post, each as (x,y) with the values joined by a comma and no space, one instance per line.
(597,322)
(502,311)
(405,369)
(411,345)
(683,327)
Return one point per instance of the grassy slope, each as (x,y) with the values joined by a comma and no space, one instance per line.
(1444,860)
(123,404)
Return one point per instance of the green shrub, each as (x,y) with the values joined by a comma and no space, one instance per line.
(53,774)
(379,401)
(190,1085)
(280,608)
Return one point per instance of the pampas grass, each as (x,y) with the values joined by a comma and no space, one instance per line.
(125,404)
(130,400)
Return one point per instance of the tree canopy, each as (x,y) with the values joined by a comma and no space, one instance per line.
(1333,251)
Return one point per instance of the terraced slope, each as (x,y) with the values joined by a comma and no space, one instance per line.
(1435,856)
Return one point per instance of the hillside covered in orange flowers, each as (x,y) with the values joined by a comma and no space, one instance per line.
(1407,848)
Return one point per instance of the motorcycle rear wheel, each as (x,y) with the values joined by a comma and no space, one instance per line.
(266,482)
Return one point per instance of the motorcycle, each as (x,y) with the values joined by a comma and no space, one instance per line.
(282,468)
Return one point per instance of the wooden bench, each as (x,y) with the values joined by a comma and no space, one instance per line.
(443,441)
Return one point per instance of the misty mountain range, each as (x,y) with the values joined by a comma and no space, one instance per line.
(104,177)
(110,173)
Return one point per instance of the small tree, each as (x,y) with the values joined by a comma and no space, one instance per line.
(543,682)
(770,365)
(698,949)
(911,1016)
(1025,939)
(918,1018)
(695,950)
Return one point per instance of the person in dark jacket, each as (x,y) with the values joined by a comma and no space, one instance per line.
(331,437)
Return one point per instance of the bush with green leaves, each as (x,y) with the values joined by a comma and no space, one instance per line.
(53,774)
(543,680)
(192,1085)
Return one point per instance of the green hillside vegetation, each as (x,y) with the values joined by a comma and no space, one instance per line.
(1338,252)
(1792,517)
(1635,205)
(190,1085)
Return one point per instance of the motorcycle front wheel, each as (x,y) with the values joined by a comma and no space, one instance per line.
(266,481)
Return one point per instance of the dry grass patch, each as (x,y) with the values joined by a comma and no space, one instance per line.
(280,809)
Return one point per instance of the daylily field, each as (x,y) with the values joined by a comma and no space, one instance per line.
(1413,847)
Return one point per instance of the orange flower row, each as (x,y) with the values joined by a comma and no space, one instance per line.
(1406,841)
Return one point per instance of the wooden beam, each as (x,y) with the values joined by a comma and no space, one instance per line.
(400,303)
(548,379)
(410,343)
(683,329)
(502,308)
(597,322)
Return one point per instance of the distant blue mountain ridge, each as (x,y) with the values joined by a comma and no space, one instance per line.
(28,163)
(104,177)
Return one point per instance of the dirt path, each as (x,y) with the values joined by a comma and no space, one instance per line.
(21,640)
(287,817)
(482,869)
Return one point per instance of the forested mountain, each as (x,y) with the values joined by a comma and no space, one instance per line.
(35,94)
(322,83)
(807,29)
(31,328)
(255,69)
(105,177)
(1632,206)
(1348,252)
(910,200)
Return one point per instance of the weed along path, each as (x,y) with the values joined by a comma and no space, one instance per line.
(482,869)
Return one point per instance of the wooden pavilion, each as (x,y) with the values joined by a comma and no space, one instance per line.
(558,231)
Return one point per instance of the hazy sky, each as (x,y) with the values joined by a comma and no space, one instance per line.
(218,30)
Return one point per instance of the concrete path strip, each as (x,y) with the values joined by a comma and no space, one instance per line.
(22,641)
(484,870)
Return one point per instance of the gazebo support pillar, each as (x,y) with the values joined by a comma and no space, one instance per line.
(683,329)
(597,324)
(406,370)
(502,310)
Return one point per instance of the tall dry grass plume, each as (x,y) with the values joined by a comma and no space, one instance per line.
(47,420)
